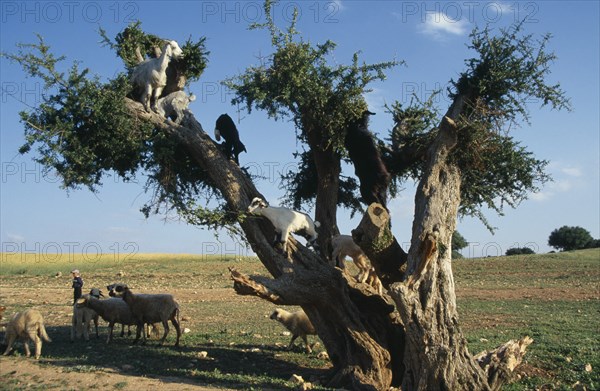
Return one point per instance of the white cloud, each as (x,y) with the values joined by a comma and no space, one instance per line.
(338,5)
(503,8)
(552,189)
(375,99)
(572,171)
(439,26)
(540,196)
(15,237)
(566,178)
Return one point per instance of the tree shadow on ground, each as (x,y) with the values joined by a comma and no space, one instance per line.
(239,366)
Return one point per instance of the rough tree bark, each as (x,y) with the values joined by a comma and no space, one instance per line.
(437,357)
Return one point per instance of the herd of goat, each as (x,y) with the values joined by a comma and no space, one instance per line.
(127,308)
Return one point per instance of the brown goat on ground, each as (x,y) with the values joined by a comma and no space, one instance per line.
(297,322)
(27,325)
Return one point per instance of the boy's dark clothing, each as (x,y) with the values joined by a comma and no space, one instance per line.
(77,285)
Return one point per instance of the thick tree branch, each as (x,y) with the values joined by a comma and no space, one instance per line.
(247,286)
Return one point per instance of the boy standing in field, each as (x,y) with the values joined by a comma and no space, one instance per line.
(77,285)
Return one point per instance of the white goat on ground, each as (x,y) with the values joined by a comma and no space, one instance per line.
(298,324)
(173,105)
(83,317)
(343,246)
(286,221)
(151,74)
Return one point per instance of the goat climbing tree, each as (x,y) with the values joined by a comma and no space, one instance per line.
(463,160)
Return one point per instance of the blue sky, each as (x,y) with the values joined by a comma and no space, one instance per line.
(37,216)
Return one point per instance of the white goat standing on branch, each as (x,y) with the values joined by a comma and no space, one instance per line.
(151,74)
(286,221)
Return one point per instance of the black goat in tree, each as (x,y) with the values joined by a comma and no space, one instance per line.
(368,166)
(231,146)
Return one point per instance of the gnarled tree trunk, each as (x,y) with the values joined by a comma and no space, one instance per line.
(363,334)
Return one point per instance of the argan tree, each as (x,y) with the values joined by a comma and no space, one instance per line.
(463,160)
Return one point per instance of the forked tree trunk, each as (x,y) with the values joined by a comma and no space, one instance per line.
(364,336)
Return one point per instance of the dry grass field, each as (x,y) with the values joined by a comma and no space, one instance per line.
(554,298)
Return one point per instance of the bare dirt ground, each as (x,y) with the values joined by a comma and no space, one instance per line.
(25,373)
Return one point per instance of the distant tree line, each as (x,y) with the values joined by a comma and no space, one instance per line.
(519,251)
(564,238)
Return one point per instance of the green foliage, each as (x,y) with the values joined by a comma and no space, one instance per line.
(519,251)
(82,129)
(568,238)
(177,180)
(458,243)
(195,58)
(129,40)
(509,71)
(495,171)
(594,243)
(413,131)
(297,81)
